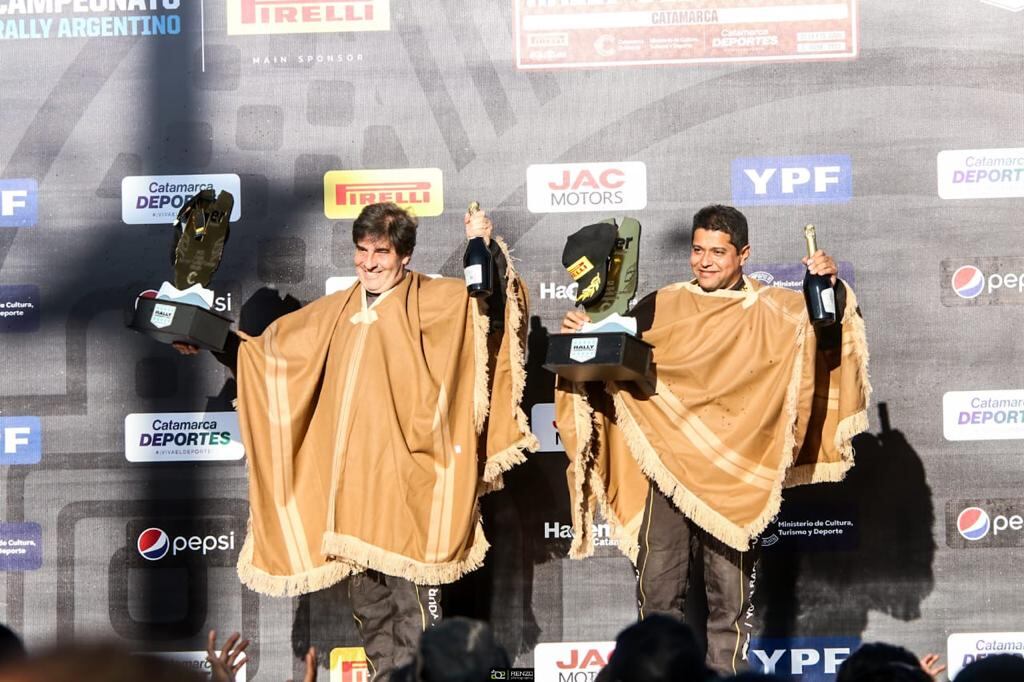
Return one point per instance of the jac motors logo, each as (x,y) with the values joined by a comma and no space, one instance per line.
(419,190)
(259,17)
(576,187)
(570,661)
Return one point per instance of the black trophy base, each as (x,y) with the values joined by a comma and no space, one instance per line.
(615,356)
(168,321)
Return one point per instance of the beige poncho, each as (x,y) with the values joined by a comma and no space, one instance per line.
(740,403)
(371,431)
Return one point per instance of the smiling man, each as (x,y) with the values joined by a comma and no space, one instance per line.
(744,398)
(373,419)
(384,237)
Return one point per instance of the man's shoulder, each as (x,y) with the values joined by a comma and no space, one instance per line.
(779,295)
(438,286)
(441,296)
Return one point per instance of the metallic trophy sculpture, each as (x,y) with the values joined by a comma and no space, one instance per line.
(203,226)
(603,259)
(181,311)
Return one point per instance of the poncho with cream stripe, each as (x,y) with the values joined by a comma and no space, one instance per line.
(371,430)
(739,404)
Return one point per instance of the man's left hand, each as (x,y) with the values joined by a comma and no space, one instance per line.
(821,264)
(478,225)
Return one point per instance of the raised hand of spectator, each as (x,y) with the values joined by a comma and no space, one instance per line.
(310,657)
(224,667)
(930,664)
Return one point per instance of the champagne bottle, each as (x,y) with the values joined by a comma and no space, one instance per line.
(818,292)
(476,263)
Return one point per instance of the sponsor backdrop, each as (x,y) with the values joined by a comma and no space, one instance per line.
(894,127)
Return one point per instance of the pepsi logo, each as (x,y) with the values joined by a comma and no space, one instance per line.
(968,281)
(973,523)
(153,544)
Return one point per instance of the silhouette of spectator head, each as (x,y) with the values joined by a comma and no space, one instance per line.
(1000,668)
(878,662)
(11,648)
(657,649)
(459,650)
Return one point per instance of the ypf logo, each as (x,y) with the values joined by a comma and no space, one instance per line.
(153,544)
(19,205)
(20,440)
(968,281)
(973,523)
(767,181)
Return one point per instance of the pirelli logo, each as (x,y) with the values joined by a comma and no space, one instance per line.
(417,189)
(580,268)
(260,17)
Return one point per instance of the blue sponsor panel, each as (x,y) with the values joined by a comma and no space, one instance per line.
(19,202)
(21,440)
(19,308)
(773,180)
(21,546)
(811,659)
(791,275)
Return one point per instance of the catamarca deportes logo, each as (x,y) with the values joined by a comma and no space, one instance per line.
(973,523)
(153,544)
(968,281)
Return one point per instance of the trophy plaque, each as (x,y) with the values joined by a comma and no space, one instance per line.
(181,311)
(603,259)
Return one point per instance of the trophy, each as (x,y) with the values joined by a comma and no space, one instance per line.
(602,259)
(181,311)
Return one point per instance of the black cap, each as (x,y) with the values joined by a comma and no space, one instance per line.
(586,257)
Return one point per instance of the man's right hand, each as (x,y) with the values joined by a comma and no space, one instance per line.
(574,321)
(185,348)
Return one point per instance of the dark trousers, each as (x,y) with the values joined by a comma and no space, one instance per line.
(391,614)
(668,543)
